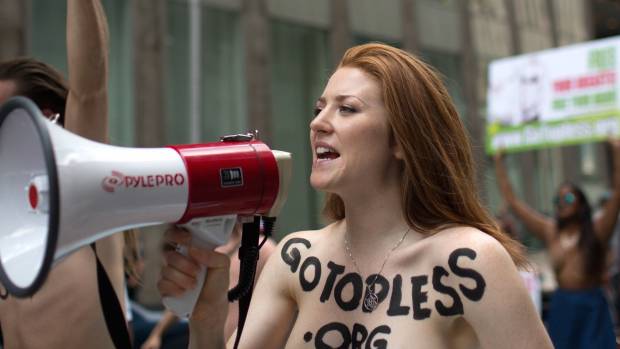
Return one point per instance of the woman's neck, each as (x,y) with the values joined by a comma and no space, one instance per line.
(374,219)
(569,225)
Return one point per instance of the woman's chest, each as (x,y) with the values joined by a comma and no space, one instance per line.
(397,309)
(564,250)
(414,301)
(326,328)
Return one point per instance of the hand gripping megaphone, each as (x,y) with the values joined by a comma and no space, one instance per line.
(60,192)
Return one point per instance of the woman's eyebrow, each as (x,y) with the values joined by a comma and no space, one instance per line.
(340,98)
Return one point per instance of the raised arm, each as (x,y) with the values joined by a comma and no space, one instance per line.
(87,52)
(537,223)
(606,221)
(86,112)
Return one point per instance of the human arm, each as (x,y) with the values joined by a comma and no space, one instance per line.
(504,316)
(154,339)
(271,313)
(86,112)
(604,224)
(537,223)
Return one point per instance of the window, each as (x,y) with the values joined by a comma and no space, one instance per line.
(300,70)
(222,84)
(48,43)
(449,65)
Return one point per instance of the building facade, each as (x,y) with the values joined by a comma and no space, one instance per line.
(191,70)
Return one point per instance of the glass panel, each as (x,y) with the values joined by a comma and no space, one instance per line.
(120,83)
(223,107)
(300,70)
(449,65)
(177,74)
(223,83)
(47,35)
(363,39)
(48,44)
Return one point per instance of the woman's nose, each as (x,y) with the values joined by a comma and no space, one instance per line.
(321,123)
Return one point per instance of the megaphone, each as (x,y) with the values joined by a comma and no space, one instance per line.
(60,192)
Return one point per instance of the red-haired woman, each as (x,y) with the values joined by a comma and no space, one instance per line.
(411,259)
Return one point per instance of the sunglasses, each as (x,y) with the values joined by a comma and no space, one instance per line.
(564,200)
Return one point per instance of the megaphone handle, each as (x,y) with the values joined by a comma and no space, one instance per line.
(207,233)
(183,305)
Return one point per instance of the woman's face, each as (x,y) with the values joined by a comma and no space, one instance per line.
(350,135)
(565,202)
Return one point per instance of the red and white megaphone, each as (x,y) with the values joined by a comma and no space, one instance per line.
(60,192)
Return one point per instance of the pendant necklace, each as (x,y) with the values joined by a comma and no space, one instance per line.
(371,300)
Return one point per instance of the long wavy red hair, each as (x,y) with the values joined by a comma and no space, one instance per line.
(438,184)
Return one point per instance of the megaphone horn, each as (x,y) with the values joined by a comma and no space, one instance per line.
(59,191)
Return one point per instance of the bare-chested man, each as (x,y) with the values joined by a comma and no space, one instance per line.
(65,312)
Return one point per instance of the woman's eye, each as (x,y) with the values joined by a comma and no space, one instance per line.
(316,111)
(347,110)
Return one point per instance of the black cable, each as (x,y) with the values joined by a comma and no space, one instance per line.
(268,225)
(248,254)
(263,242)
(249,257)
(247,271)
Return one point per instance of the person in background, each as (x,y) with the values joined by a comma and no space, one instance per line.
(66,312)
(613,269)
(577,242)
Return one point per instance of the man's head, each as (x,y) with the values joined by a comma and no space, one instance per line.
(37,81)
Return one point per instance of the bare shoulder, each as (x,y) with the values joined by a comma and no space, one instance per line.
(311,235)
(286,258)
(313,240)
(483,246)
(481,273)
(471,260)
(295,247)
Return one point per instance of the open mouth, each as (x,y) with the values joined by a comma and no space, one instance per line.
(326,153)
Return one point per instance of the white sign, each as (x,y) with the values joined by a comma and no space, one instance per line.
(561,96)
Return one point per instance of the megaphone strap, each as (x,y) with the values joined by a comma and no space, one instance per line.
(248,253)
(111,308)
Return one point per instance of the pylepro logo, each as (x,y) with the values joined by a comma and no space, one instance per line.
(117,180)
(110,183)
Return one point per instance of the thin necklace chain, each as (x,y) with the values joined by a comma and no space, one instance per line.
(387,256)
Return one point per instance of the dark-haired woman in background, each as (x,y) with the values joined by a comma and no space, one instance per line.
(577,243)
